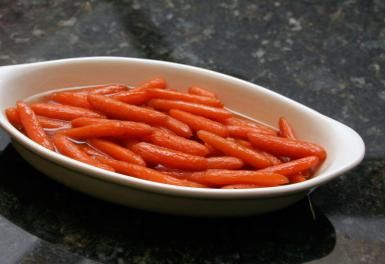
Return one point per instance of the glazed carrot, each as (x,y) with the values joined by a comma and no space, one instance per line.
(225,162)
(109,129)
(168,157)
(90,151)
(199,123)
(227,177)
(178,127)
(71,98)
(202,110)
(63,112)
(297,179)
(285,130)
(242,131)
(131,97)
(230,148)
(166,139)
(180,174)
(103,89)
(201,91)
(286,147)
(119,110)
(72,150)
(158,83)
(237,121)
(46,122)
(86,121)
(179,96)
(212,151)
(13,117)
(146,173)
(242,142)
(116,151)
(31,125)
(294,166)
(241,186)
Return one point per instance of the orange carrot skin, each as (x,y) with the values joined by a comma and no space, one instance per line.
(131,97)
(225,162)
(199,123)
(297,179)
(201,91)
(103,89)
(285,130)
(168,140)
(178,127)
(231,148)
(86,121)
(63,112)
(294,166)
(197,109)
(156,83)
(229,177)
(72,150)
(70,98)
(90,151)
(13,117)
(147,173)
(237,121)
(109,129)
(32,127)
(242,131)
(116,151)
(279,146)
(241,186)
(175,95)
(168,157)
(120,110)
(212,151)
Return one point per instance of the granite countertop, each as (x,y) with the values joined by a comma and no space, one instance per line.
(328,55)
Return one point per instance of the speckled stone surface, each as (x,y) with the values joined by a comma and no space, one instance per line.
(329,55)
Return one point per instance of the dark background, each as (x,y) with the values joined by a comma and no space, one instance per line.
(328,55)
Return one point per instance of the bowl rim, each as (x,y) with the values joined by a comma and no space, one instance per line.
(202,193)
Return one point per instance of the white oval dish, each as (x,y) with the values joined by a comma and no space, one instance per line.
(344,146)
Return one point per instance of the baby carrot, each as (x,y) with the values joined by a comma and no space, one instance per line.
(86,121)
(286,147)
(242,131)
(116,151)
(178,127)
(90,151)
(202,110)
(146,173)
(158,83)
(103,89)
(199,123)
(71,98)
(212,151)
(131,97)
(225,162)
(241,186)
(297,178)
(236,121)
(175,95)
(294,166)
(201,91)
(31,125)
(13,117)
(172,141)
(64,112)
(227,177)
(72,150)
(120,110)
(231,148)
(168,157)
(285,130)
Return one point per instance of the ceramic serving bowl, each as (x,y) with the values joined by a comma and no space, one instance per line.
(344,146)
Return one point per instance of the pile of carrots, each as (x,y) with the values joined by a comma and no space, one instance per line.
(163,135)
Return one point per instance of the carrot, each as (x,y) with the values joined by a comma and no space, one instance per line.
(180,174)
(285,130)
(63,112)
(226,162)
(117,109)
(168,140)
(286,147)
(31,125)
(178,127)
(116,151)
(146,173)
(229,177)
(109,129)
(241,186)
(131,97)
(294,166)
(86,121)
(72,150)
(237,121)
(297,179)
(201,91)
(92,151)
(168,157)
(158,83)
(103,89)
(202,110)
(230,148)
(179,96)
(199,123)
(13,117)
(242,142)
(242,131)
(71,98)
